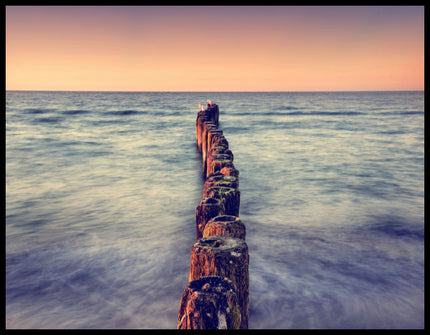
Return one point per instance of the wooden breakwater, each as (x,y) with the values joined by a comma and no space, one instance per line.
(217,294)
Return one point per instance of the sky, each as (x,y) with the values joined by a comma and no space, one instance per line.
(214,48)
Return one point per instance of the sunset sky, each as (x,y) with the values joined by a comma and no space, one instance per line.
(167,48)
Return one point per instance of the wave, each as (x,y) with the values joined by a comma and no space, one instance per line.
(396,227)
(38,110)
(282,108)
(168,112)
(392,132)
(236,130)
(106,122)
(75,112)
(322,113)
(99,153)
(125,112)
(300,113)
(413,112)
(51,119)
(402,112)
(80,143)
(172,112)
(329,113)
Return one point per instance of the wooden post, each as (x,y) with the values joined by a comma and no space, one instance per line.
(220,150)
(226,257)
(225,225)
(212,133)
(209,303)
(230,171)
(216,163)
(229,197)
(215,137)
(206,210)
(219,179)
(217,294)
(201,119)
(213,111)
(206,128)
(219,141)
(215,114)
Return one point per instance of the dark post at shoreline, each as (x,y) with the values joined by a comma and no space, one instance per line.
(209,303)
(217,294)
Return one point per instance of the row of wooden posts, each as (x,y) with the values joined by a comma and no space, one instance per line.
(217,294)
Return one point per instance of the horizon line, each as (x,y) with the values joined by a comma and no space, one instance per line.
(215,91)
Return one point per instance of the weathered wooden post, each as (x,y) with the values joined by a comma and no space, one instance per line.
(215,137)
(220,150)
(202,117)
(206,210)
(218,141)
(213,111)
(216,162)
(206,128)
(219,179)
(209,303)
(217,294)
(230,171)
(211,132)
(225,225)
(229,197)
(226,257)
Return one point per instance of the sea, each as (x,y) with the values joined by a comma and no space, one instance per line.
(102,187)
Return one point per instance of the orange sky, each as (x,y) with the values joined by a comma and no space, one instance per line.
(214,48)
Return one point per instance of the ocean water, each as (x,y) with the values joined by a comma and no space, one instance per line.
(101,191)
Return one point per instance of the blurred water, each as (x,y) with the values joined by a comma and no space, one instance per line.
(101,190)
